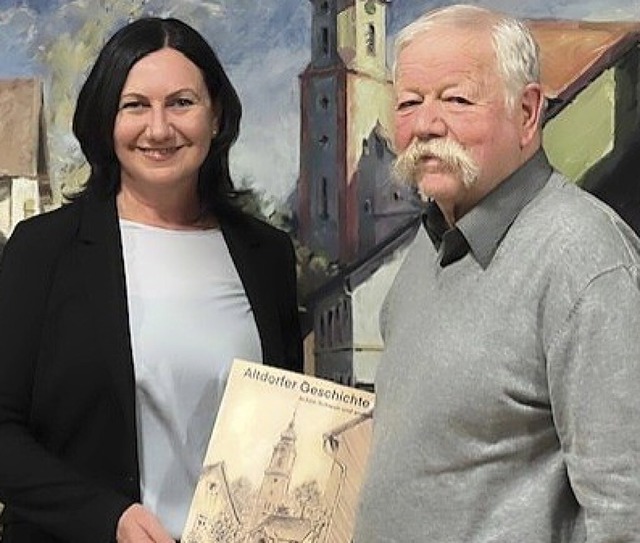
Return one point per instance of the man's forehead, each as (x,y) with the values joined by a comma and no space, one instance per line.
(470,52)
(449,40)
(443,62)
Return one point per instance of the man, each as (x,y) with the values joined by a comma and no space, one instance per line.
(508,396)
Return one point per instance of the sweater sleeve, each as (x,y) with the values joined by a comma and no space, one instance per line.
(35,485)
(594,381)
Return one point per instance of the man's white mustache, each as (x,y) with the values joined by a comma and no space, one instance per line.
(408,164)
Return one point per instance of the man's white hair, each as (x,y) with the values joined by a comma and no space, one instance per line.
(516,50)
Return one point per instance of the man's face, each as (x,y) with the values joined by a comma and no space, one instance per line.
(448,90)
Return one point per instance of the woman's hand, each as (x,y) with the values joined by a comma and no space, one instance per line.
(138,525)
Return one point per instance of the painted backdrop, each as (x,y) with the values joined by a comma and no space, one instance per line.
(264,44)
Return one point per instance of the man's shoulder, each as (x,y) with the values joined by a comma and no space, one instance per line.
(572,216)
(567,209)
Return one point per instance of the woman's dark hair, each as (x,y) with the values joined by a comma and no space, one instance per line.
(99,99)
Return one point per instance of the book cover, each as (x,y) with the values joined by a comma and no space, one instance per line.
(285,460)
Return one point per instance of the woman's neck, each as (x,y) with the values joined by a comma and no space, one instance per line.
(176,213)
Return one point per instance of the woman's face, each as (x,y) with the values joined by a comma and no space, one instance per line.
(165,123)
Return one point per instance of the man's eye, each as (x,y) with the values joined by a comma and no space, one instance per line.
(407,104)
(458,100)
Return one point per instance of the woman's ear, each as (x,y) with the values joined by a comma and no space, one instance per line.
(215,118)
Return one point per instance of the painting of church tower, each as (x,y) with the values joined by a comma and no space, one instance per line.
(346,114)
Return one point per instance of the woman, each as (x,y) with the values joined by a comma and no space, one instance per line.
(121,312)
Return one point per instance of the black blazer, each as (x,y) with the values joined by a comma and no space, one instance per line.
(68,455)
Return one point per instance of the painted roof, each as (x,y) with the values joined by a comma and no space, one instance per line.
(574,53)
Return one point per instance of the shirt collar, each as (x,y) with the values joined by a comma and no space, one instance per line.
(482,229)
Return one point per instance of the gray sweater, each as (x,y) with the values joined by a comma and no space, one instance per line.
(508,395)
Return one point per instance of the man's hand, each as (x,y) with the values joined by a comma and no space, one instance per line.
(138,525)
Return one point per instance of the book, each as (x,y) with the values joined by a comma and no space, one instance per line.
(285,460)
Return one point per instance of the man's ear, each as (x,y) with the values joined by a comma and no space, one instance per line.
(531,108)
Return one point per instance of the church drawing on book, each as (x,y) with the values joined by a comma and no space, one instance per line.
(276,512)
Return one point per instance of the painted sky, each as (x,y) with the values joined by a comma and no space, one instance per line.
(263,44)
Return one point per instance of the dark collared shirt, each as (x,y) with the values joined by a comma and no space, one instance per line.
(483,227)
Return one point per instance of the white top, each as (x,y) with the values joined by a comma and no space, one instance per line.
(189,317)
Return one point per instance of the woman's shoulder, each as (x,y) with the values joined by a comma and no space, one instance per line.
(46,232)
(52,221)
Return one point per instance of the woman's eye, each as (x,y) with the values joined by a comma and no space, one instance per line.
(132,104)
(182,102)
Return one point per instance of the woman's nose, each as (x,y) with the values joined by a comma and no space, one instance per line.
(159,127)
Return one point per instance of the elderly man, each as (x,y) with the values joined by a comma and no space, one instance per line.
(508,396)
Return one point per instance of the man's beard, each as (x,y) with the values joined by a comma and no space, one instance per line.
(408,166)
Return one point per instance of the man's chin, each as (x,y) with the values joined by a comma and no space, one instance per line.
(427,180)
(431,185)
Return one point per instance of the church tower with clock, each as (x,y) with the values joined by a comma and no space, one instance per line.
(345,96)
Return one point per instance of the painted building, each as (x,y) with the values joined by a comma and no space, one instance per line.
(591,78)
(384,206)
(346,113)
(346,337)
(591,75)
(24,162)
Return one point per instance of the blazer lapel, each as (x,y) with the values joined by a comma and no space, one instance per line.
(247,253)
(102,271)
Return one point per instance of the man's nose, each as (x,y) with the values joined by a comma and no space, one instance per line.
(429,120)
